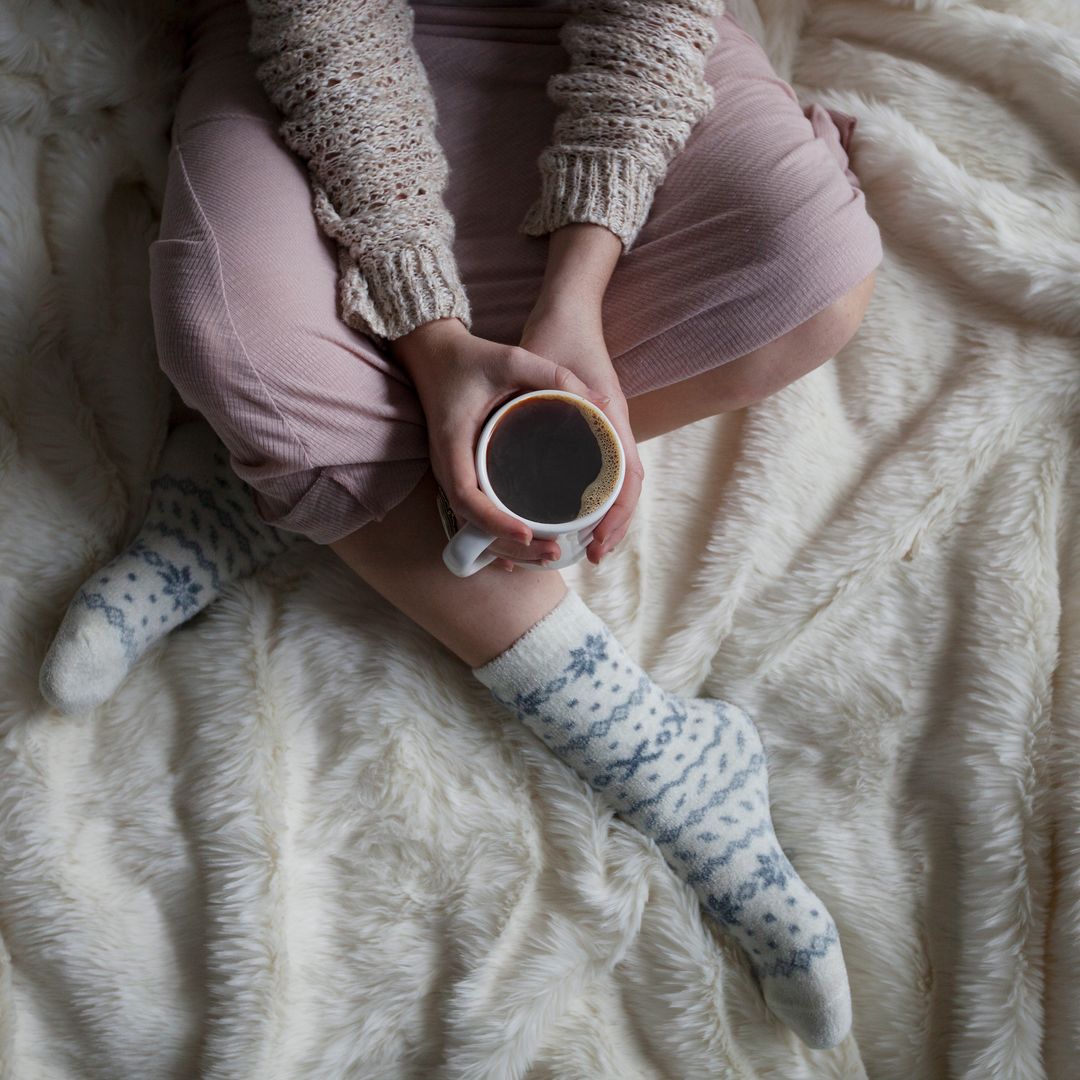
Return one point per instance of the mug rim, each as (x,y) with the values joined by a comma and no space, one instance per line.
(575,524)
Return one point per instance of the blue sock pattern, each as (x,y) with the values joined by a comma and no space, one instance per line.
(182,559)
(691,774)
(201,532)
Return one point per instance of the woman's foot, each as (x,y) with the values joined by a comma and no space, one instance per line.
(691,774)
(201,532)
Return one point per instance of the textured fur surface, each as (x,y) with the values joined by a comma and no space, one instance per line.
(303,841)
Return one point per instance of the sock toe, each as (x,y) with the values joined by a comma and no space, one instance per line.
(815,1004)
(84,665)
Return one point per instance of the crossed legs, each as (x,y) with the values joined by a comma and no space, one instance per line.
(478,617)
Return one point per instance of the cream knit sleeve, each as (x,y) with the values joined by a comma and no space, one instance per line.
(358,108)
(634,90)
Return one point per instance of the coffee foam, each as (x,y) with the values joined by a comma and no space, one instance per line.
(595,495)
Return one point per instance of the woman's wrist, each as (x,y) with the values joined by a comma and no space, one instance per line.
(425,340)
(580,261)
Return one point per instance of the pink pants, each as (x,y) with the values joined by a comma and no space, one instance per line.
(759,225)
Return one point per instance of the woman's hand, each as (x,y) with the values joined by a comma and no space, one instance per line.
(570,333)
(461,379)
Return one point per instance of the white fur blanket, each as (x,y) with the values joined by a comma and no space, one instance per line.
(302,841)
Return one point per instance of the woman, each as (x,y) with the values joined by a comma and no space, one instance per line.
(623,200)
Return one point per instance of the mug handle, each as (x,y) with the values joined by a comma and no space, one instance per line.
(464,555)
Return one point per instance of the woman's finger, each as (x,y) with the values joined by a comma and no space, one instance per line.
(534,552)
(615,523)
(469,502)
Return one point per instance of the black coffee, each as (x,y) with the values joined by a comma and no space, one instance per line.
(551,460)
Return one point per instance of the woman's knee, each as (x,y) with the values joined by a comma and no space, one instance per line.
(763,372)
(824,335)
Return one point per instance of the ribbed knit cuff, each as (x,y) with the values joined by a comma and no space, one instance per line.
(541,652)
(387,293)
(603,186)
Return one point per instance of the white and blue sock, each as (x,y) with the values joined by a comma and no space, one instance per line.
(692,775)
(201,532)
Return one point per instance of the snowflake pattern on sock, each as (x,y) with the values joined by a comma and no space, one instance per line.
(202,531)
(195,539)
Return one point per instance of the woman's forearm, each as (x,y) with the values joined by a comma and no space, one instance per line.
(581,259)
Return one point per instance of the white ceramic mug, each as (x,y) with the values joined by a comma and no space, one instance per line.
(467,551)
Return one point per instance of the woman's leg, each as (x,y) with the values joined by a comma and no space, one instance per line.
(474,617)
(755,376)
(689,773)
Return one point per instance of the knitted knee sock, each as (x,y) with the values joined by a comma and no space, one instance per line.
(691,774)
(201,533)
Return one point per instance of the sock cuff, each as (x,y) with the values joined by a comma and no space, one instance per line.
(544,646)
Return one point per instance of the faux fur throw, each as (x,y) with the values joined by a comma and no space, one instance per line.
(303,841)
